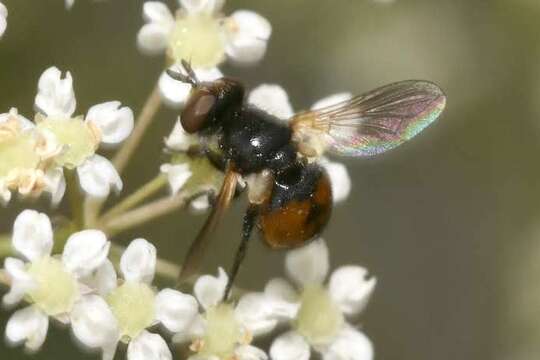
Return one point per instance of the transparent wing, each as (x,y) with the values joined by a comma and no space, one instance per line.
(378,121)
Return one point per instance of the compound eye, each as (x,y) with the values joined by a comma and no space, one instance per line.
(198,111)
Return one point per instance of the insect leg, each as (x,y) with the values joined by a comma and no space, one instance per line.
(193,258)
(247,227)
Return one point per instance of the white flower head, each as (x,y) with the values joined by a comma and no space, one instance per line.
(319,320)
(184,166)
(79,137)
(224,332)
(126,310)
(3,19)
(24,155)
(201,34)
(274,99)
(52,285)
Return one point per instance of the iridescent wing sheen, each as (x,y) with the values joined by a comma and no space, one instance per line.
(379,120)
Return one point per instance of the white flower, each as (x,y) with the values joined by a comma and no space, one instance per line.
(224,332)
(24,155)
(3,18)
(107,124)
(183,166)
(319,319)
(177,175)
(274,99)
(125,311)
(179,139)
(201,34)
(52,285)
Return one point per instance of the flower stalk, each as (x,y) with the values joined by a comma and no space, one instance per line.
(147,115)
(144,192)
(145,213)
(75,198)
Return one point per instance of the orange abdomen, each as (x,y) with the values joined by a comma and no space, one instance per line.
(297,209)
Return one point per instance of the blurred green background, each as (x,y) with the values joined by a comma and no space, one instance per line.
(449,223)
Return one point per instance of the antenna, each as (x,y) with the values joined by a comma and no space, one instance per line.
(190,78)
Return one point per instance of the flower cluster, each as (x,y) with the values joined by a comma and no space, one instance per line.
(34,155)
(73,273)
(80,287)
(199,32)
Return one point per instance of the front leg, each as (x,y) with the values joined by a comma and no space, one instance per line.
(249,221)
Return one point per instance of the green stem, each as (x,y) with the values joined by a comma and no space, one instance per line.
(145,191)
(148,112)
(145,213)
(75,198)
(90,214)
(6,249)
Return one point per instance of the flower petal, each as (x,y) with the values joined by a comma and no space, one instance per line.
(339,179)
(5,193)
(93,322)
(55,184)
(260,313)
(280,288)
(248,36)
(351,289)
(157,12)
(103,279)
(148,346)
(3,19)
(175,93)
(21,281)
(115,122)
(85,251)
(272,98)
(175,310)
(177,175)
(200,204)
(309,264)
(196,330)
(28,325)
(55,95)
(153,38)
(246,50)
(98,176)
(249,23)
(331,100)
(349,345)
(138,263)
(198,6)
(289,346)
(32,234)
(179,139)
(248,352)
(209,289)
(24,123)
